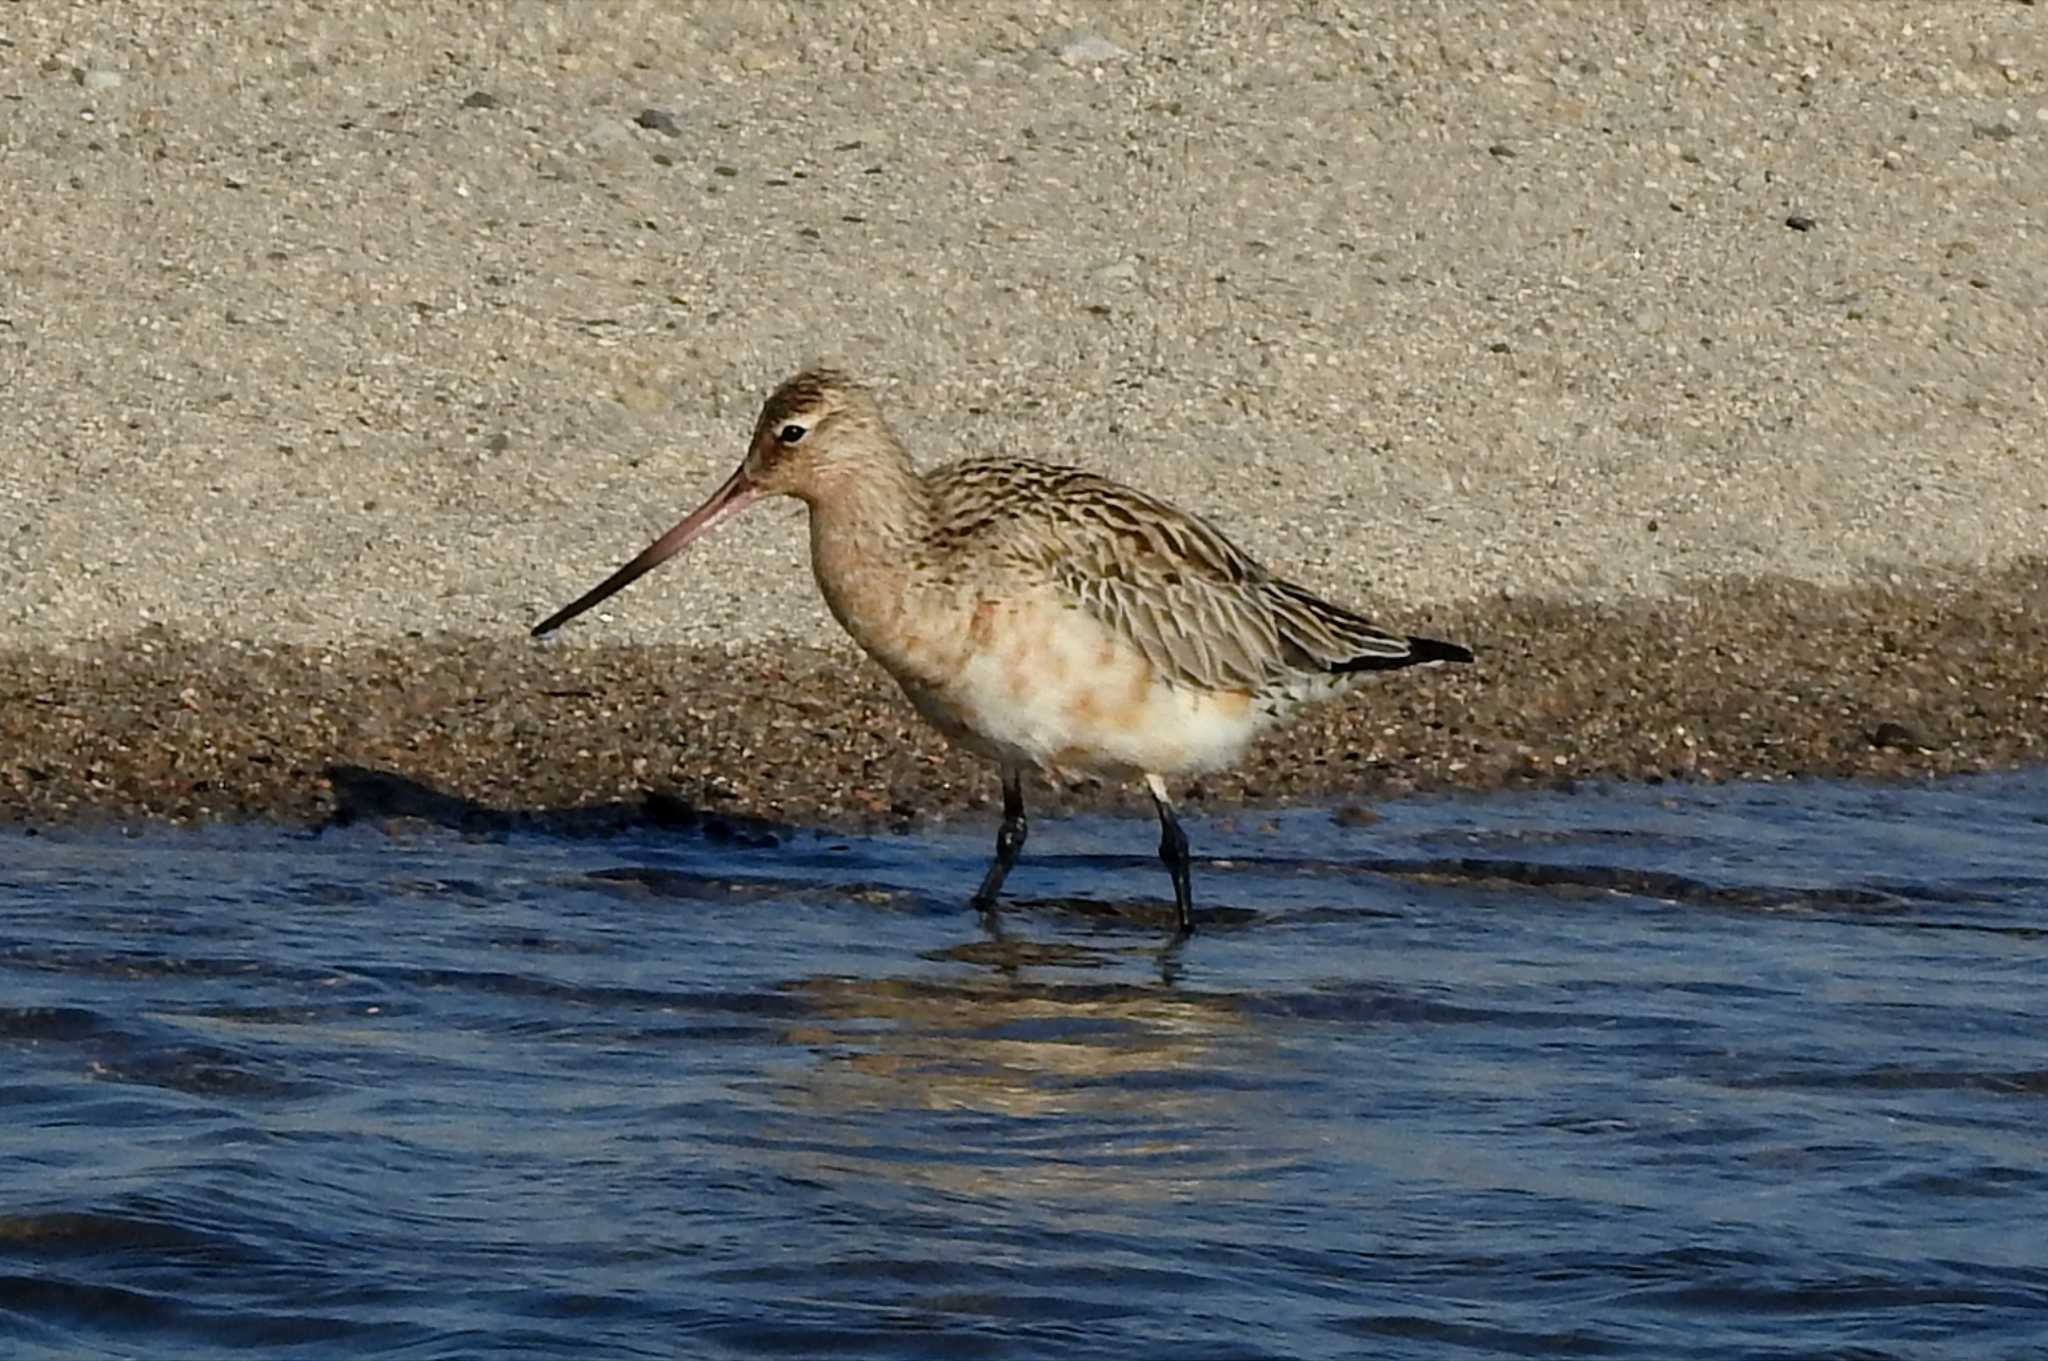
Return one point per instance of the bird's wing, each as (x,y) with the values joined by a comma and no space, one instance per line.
(1203,612)
(1201,609)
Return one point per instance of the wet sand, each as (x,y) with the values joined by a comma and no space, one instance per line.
(1750,680)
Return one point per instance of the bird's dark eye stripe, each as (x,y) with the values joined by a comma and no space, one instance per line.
(791,433)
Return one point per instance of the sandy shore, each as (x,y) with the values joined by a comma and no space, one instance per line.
(1685,360)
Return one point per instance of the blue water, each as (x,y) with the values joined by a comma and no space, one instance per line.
(1749,1071)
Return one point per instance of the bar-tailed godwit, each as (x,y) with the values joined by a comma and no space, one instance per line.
(1037,614)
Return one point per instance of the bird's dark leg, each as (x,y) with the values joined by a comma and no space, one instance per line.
(1173,853)
(1009,839)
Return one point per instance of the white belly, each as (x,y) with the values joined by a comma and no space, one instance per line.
(1054,688)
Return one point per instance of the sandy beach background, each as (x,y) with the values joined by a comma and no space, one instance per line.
(1686,360)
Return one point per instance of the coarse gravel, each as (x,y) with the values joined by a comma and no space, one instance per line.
(1746,681)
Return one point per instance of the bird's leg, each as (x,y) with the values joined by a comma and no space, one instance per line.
(1009,839)
(1173,853)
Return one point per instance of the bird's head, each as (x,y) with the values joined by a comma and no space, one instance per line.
(817,432)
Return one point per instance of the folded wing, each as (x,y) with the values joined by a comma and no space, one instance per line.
(1202,611)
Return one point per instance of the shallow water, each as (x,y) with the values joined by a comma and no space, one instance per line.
(1709,1072)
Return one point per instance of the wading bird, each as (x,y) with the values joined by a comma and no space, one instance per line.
(1038,614)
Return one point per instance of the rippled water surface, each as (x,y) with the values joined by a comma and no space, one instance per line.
(1719,1072)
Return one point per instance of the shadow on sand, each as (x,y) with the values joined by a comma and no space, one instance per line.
(362,794)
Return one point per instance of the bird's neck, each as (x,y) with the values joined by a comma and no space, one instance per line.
(881,505)
(868,533)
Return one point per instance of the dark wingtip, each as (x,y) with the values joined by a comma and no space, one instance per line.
(1435,650)
(1421,651)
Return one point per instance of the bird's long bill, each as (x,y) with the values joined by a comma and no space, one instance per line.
(736,495)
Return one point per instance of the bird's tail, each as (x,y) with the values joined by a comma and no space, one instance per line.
(1421,652)
(1329,638)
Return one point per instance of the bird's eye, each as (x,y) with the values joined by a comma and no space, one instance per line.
(791,433)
